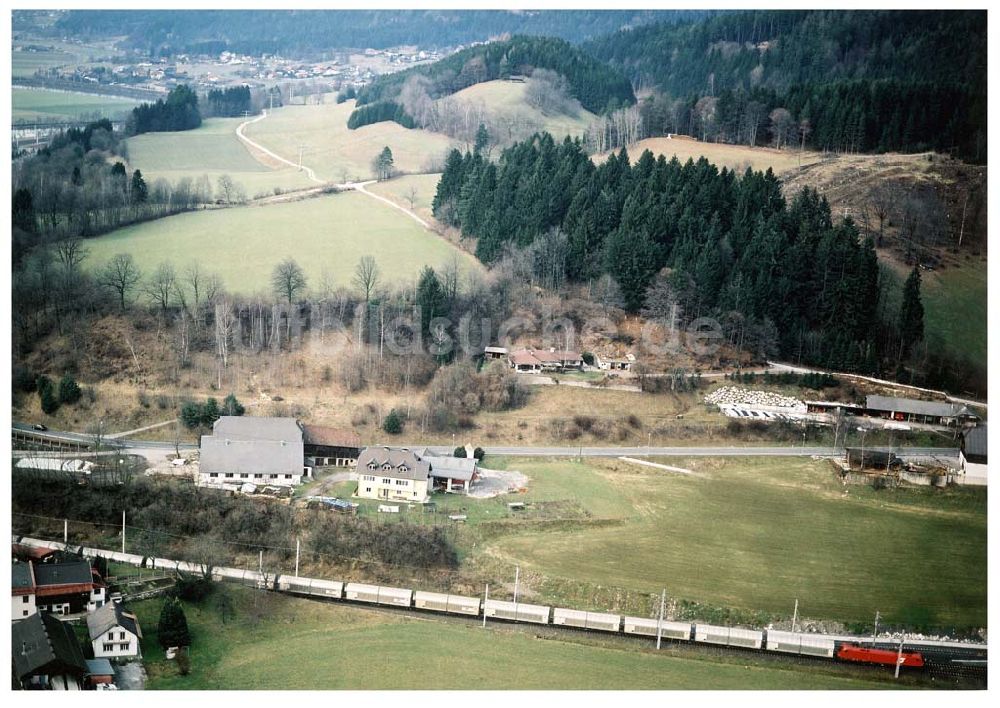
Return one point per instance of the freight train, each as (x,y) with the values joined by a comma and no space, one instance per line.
(803,644)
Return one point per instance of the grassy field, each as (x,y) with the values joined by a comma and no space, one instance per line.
(45,105)
(243,244)
(398,189)
(735,157)
(338,154)
(757,534)
(506,99)
(333,646)
(955,308)
(213,150)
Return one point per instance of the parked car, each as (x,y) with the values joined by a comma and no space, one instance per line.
(38,426)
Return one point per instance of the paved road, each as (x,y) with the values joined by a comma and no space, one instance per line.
(784,451)
(577,451)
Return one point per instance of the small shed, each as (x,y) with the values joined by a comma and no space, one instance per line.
(99,672)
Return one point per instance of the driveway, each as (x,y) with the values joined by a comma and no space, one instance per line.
(130,676)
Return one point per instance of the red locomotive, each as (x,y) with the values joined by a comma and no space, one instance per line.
(869,655)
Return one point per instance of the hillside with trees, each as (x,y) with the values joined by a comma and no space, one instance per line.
(596,86)
(838,81)
(688,241)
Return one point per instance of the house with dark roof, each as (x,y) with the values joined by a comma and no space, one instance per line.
(393,474)
(972,455)
(59,588)
(46,654)
(326,446)
(255,450)
(114,632)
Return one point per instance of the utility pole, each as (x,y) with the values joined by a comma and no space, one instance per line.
(260,563)
(795,614)
(659,622)
(296,557)
(123,530)
(300,156)
(517,579)
(65,531)
(875,635)
(485,600)
(899,655)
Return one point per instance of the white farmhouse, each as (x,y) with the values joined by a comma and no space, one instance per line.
(114,632)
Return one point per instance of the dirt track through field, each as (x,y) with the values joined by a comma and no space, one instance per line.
(271,156)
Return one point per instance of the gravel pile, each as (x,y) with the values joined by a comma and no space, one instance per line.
(734,395)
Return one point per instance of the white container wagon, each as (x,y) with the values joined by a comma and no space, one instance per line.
(799,643)
(668,630)
(442,602)
(728,636)
(517,611)
(586,620)
(379,595)
(314,587)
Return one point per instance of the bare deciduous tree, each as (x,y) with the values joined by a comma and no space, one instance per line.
(161,285)
(121,274)
(366,275)
(288,279)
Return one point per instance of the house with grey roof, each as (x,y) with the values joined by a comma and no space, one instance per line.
(255,450)
(909,410)
(393,474)
(46,654)
(114,632)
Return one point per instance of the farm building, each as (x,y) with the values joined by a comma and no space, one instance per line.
(255,450)
(495,352)
(46,654)
(397,474)
(60,588)
(909,410)
(331,446)
(536,360)
(614,363)
(114,632)
(453,474)
(973,455)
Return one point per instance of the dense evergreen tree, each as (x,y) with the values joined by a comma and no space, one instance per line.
(378,112)
(911,314)
(178,112)
(431,299)
(232,102)
(172,629)
(69,390)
